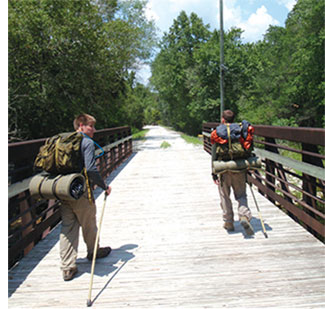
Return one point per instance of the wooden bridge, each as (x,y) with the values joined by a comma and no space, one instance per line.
(164,224)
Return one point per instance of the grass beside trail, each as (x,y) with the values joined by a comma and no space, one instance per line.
(192,139)
(165,144)
(140,135)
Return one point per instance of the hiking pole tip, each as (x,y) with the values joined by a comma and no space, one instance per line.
(88,303)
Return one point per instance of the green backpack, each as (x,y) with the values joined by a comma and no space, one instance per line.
(61,154)
(234,151)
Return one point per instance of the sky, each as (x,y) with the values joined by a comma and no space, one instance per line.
(252,16)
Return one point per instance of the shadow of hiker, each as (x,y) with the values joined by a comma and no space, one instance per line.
(107,265)
(256,224)
(122,255)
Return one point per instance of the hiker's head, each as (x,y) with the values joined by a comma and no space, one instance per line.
(85,123)
(228,116)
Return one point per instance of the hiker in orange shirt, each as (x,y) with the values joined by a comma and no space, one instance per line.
(232,179)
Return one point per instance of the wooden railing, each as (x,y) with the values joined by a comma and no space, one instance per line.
(292,175)
(30,220)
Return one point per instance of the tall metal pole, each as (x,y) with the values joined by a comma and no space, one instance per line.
(222,104)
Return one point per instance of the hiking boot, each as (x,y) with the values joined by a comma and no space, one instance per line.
(247,226)
(101,253)
(68,274)
(229,226)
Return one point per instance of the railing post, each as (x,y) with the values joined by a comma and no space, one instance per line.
(309,182)
(48,214)
(269,167)
(25,220)
(129,142)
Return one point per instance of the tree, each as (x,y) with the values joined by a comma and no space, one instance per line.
(171,69)
(287,87)
(276,81)
(306,34)
(68,57)
(186,73)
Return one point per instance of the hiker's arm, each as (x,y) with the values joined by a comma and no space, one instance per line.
(90,165)
(213,158)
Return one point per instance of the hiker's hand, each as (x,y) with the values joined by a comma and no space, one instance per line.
(215,179)
(108,190)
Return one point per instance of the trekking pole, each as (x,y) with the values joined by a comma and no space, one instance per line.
(89,303)
(259,213)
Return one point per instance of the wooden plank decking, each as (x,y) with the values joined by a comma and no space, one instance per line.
(163,221)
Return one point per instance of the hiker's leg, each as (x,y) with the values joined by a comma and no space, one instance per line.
(225,201)
(239,186)
(86,213)
(69,237)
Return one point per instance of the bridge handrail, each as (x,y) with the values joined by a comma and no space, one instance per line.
(31,220)
(296,186)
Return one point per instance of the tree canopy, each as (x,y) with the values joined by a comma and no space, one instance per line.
(278,80)
(68,57)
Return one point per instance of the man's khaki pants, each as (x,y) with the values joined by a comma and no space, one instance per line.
(237,181)
(76,214)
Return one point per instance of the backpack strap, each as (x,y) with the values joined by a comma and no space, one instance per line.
(54,186)
(229,141)
(102,153)
(57,151)
(88,186)
(85,170)
(40,186)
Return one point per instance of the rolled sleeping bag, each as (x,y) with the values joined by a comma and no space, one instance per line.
(233,165)
(60,187)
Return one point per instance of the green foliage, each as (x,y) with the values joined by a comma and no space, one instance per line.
(139,134)
(172,69)
(276,81)
(191,139)
(68,57)
(165,145)
(139,108)
(289,84)
(186,73)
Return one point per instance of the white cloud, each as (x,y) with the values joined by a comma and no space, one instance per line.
(257,24)
(150,13)
(143,74)
(231,14)
(289,4)
(244,14)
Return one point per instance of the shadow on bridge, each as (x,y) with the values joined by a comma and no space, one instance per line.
(16,276)
(102,268)
(256,224)
(118,255)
